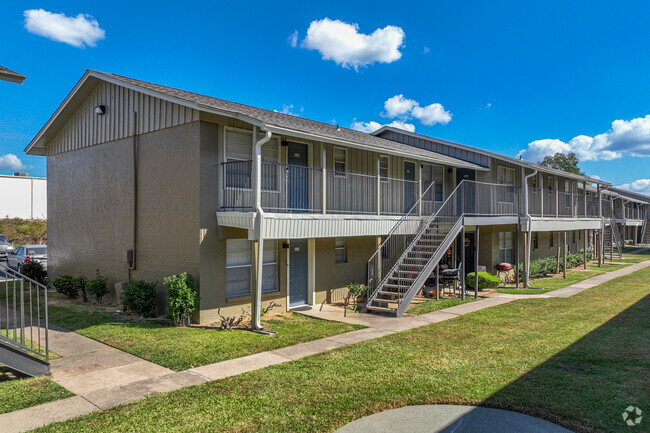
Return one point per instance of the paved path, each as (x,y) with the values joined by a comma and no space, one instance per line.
(444,418)
(105,377)
(638,251)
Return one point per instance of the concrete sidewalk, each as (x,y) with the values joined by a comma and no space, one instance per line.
(105,377)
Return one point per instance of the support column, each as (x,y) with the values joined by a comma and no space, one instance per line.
(476,264)
(541,195)
(517,255)
(462,260)
(379,186)
(437,282)
(558,242)
(323,163)
(584,250)
(564,257)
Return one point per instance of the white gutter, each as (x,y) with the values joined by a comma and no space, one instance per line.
(530,232)
(256,313)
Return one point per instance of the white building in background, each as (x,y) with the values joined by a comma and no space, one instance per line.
(22,196)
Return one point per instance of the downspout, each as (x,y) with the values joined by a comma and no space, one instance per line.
(530,232)
(132,253)
(256,320)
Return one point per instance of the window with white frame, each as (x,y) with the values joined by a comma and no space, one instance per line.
(505,175)
(238,268)
(340,160)
(550,182)
(340,250)
(238,171)
(383,167)
(506,247)
(436,174)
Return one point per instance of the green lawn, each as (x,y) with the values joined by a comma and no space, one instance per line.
(607,267)
(631,258)
(544,285)
(433,305)
(577,361)
(22,393)
(183,348)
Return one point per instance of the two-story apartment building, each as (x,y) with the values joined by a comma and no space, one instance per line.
(147,181)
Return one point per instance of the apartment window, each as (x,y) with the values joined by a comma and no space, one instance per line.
(506,247)
(550,183)
(340,250)
(383,167)
(436,174)
(505,175)
(535,240)
(238,268)
(340,160)
(533,182)
(551,235)
(238,172)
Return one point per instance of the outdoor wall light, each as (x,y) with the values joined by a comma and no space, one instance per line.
(100,110)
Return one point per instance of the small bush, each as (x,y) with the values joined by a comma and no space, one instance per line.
(485,281)
(35,271)
(182,297)
(140,298)
(66,285)
(98,287)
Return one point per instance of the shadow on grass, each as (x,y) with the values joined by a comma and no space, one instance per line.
(604,372)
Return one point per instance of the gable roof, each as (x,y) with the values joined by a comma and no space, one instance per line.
(9,75)
(275,122)
(515,161)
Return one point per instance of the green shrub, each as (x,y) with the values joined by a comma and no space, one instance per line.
(98,287)
(66,285)
(140,298)
(182,297)
(543,267)
(485,281)
(35,271)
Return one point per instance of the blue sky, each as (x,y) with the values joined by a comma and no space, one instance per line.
(507,73)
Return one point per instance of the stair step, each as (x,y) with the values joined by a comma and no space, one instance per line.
(383,309)
(384,293)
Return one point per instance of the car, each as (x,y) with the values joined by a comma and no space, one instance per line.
(27,253)
(5,247)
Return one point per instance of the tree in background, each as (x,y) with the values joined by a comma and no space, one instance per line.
(560,161)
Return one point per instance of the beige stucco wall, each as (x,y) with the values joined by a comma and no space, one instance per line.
(91,207)
(331,277)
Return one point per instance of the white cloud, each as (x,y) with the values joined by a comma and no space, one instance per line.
(368,127)
(11,162)
(372,126)
(80,31)
(289,109)
(342,43)
(426,50)
(626,137)
(641,186)
(398,106)
(293,39)
(402,125)
(432,114)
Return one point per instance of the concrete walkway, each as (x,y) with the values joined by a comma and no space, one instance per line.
(444,418)
(105,377)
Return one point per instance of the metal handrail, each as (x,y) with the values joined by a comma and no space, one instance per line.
(20,309)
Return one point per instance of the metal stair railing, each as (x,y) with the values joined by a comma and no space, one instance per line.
(23,314)
(616,237)
(644,227)
(391,249)
(469,198)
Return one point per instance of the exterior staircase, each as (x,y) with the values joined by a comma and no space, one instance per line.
(23,324)
(613,240)
(645,233)
(417,243)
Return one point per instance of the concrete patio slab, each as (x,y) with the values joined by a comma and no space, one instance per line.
(442,418)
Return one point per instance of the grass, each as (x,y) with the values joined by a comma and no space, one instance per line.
(433,305)
(183,348)
(22,393)
(607,267)
(631,258)
(24,231)
(579,363)
(545,285)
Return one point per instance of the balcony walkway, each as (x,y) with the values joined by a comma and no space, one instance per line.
(147,380)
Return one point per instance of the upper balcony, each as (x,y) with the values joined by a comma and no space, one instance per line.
(297,189)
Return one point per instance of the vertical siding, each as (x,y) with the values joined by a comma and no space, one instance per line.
(86,128)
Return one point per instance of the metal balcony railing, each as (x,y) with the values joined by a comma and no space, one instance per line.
(290,188)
